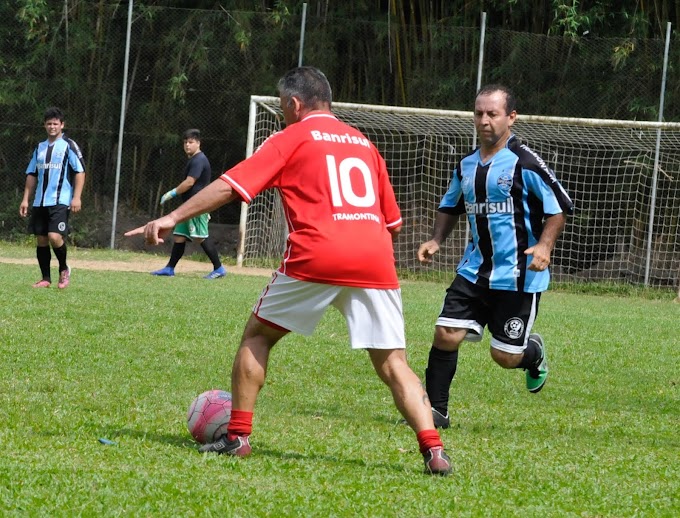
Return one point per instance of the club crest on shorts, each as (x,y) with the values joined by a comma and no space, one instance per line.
(514,327)
(61,226)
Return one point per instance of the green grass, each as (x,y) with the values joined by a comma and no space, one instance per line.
(19,251)
(121,356)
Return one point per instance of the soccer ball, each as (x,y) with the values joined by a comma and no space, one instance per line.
(209,415)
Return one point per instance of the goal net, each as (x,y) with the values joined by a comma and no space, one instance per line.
(610,169)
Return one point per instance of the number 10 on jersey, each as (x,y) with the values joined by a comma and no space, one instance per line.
(342,190)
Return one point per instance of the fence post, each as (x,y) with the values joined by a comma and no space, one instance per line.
(250,147)
(302,33)
(480,67)
(655,173)
(122,124)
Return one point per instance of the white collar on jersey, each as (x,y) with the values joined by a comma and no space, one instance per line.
(318,114)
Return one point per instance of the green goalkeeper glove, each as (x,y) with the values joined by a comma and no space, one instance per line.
(168,196)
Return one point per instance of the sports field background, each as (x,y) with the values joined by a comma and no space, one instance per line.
(121,354)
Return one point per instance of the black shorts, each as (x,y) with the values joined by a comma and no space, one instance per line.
(509,315)
(49,219)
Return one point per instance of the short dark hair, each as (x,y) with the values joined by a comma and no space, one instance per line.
(54,113)
(510,100)
(309,84)
(192,133)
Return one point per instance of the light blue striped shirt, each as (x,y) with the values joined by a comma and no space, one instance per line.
(55,165)
(506,200)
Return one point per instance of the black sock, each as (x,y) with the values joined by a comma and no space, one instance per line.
(44,257)
(177,253)
(441,367)
(211,251)
(532,356)
(60,254)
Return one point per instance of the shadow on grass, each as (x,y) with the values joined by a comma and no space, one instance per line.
(265,450)
(312,457)
(169,439)
(343,416)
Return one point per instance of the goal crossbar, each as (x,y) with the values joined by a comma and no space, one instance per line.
(606,165)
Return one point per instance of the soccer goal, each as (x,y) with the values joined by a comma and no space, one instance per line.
(610,169)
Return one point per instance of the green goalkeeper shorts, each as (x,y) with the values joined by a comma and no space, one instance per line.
(194,228)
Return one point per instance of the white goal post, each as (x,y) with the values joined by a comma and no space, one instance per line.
(607,166)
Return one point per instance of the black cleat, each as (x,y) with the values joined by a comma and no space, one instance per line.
(239,447)
(440,420)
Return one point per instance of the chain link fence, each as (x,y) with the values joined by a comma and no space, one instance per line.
(193,68)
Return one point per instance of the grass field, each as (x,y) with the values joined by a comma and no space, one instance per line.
(121,355)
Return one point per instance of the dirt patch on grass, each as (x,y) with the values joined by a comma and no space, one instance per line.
(224,236)
(144,265)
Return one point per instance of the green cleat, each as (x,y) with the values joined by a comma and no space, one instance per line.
(537,376)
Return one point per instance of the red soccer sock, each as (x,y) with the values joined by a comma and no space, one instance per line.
(428,439)
(240,423)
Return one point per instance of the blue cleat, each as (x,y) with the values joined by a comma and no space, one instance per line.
(216,274)
(165,272)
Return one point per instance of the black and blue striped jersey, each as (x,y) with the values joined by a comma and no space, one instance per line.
(54,165)
(506,200)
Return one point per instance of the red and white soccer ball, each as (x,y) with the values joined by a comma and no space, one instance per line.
(209,415)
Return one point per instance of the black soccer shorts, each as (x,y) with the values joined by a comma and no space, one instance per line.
(509,315)
(49,219)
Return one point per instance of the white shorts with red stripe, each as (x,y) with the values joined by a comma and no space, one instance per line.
(374,316)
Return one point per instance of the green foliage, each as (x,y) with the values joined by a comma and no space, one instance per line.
(177,87)
(638,22)
(12,226)
(280,15)
(199,67)
(33,14)
(121,355)
(621,53)
(572,21)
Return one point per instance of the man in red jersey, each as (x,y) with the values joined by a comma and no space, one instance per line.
(342,216)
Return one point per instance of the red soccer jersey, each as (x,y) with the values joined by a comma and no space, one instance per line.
(337,199)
